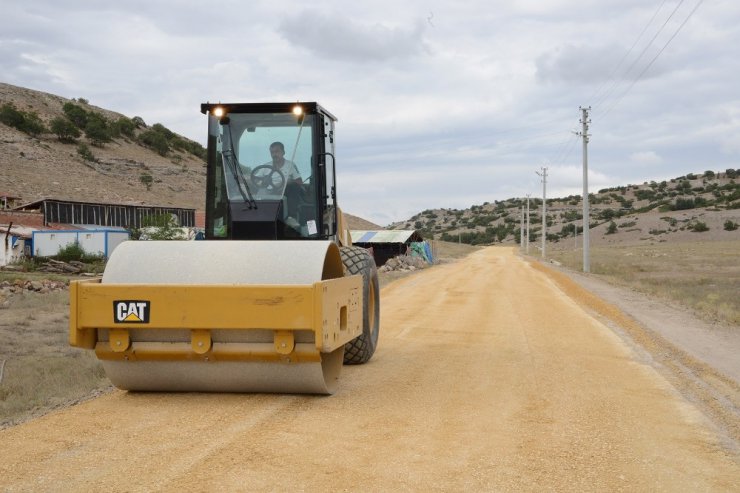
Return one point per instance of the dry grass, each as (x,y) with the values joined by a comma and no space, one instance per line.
(41,371)
(704,276)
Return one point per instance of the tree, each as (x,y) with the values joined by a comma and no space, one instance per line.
(123,126)
(612,228)
(29,123)
(147,180)
(155,141)
(65,130)
(76,114)
(33,125)
(10,116)
(97,130)
(158,227)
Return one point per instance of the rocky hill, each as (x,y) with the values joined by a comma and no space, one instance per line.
(135,163)
(695,206)
(128,161)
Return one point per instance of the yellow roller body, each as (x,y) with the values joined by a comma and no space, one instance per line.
(230,316)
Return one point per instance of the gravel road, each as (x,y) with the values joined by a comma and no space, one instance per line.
(488,377)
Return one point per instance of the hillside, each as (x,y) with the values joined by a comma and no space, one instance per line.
(702,206)
(141,164)
(122,170)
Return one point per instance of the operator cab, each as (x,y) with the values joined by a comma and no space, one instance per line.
(270,172)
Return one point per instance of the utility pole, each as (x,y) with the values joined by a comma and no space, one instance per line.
(521,231)
(543,174)
(526,247)
(586,220)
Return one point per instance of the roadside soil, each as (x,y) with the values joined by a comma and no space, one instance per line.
(492,373)
(713,343)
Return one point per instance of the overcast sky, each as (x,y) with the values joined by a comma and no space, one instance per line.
(440,103)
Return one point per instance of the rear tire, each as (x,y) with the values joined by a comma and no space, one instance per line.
(357,260)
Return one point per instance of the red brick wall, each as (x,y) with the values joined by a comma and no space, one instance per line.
(29,219)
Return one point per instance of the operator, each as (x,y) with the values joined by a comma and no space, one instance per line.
(293,180)
(286,167)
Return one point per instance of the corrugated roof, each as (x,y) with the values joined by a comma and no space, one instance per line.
(382,236)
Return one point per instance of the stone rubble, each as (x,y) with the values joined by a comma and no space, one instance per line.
(8,289)
(403,263)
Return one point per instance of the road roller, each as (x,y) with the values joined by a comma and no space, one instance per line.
(275,299)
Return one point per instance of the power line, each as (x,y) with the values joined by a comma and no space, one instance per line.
(696,7)
(639,57)
(624,57)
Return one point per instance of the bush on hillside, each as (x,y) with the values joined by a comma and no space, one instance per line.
(699,227)
(26,122)
(97,130)
(65,130)
(122,126)
(76,114)
(85,153)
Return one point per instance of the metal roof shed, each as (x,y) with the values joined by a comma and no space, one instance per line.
(385,243)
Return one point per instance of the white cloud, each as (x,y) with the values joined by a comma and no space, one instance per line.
(337,36)
(646,157)
(488,91)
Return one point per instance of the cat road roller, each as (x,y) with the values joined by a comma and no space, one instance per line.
(275,299)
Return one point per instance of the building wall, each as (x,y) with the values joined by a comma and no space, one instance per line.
(48,243)
(13,251)
(28,219)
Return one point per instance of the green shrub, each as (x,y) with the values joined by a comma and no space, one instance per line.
(28,123)
(122,126)
(33,125)
(683,204)
(147,180)
(10,116)
(730,225)
(155,141)
(72,251)
(65,130)
(85,152)
(76,114)
(699,227)
(97,130)
(612,228)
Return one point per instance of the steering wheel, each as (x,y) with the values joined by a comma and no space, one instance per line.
(273,181)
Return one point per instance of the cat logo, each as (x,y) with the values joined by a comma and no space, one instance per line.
(131,312)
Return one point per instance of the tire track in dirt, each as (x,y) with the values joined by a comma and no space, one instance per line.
(488,377)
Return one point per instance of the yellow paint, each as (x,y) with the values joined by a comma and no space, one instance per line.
(284,341)
(200,341)
(119,340)
(331,309)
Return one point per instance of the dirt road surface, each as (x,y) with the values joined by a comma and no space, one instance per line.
(488,377)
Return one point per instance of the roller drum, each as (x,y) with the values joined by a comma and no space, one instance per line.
(234,263)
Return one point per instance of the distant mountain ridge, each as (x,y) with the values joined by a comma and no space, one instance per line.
(678,208)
